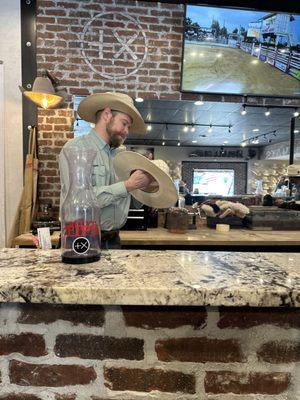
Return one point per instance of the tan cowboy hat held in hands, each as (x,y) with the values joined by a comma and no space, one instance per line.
(89,106)
(162,194)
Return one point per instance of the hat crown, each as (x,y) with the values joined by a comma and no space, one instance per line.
(122,97)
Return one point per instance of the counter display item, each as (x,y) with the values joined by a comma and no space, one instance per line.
(80,238)
(177,220)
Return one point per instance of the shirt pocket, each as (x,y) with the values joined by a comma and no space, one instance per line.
(98,175)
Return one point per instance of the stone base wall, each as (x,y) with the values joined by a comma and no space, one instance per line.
(64,352)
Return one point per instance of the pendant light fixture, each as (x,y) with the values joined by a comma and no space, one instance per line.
(43,93)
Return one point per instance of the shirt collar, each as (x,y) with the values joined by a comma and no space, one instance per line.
(101,144)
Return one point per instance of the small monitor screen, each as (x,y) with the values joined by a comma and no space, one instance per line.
(213,182)
(237,51)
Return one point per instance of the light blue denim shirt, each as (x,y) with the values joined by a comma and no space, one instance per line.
(114,200)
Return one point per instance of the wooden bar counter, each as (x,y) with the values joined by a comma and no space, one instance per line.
(201,238)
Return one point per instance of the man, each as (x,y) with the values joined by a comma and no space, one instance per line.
(114,116)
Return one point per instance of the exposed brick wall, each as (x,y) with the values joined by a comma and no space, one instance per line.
(187,353)
(68,45)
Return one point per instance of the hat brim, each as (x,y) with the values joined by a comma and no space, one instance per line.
(90,105)
(166,196)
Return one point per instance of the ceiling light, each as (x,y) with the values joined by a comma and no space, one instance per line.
(296,113)
(296,131)
(267,112)
(163,143)
(194,141)
(243,144)
(199,103)
(225,141)
(139,99)
(193,129)
(178,144)
(255,130)
(149,128)
(244,111)
(185,129)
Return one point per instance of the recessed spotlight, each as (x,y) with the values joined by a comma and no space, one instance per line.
(139,99)
(199,103)
(194,141)
(255,130)
(185,129)
(149,128)
(296,131)
(244,111)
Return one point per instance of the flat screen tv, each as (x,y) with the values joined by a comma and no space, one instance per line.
(238,51)
(213,182)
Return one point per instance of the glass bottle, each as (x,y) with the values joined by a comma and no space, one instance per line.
(80,233)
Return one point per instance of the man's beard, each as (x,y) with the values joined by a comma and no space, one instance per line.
(115,139)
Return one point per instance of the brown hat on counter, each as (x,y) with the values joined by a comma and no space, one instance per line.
(160,194)
(89,106)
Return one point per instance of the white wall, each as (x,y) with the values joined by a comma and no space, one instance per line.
(281,151)
(2,153)
(10,54)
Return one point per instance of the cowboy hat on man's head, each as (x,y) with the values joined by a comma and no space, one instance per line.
(89,106)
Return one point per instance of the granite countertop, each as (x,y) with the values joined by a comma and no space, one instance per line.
(145,277)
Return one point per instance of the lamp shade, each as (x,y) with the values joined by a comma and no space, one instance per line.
(43,93)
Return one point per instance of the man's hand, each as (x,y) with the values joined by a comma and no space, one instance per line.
(138,180)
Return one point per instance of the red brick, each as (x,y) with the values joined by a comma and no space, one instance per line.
(65,4)
(47,313)
(277,352)
(218,382)
(248,317)
(46,3)
(25,374)
(199,349)
(148,380)
(28,344)
(151,317)
(99,347)
(55,12)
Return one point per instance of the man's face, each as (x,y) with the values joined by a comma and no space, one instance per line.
(118,128)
